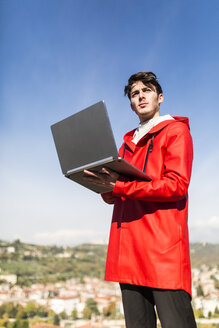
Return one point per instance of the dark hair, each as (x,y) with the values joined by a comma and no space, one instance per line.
(148,78)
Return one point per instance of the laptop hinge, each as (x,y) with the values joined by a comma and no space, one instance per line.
(89,166)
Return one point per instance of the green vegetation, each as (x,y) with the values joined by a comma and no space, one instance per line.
(200,291)
(208,326)
(44,264)
(216,281)
(110,311)
(90,308)
(74,314)
(4,323)
(56,320)
(19,312)
(26,315)
(204,253)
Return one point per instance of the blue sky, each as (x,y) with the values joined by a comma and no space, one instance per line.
(58,57)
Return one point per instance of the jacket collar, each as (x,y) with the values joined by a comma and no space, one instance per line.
(129,135)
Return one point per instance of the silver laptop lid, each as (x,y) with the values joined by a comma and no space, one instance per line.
(84,137)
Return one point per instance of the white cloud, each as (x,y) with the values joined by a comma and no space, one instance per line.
(213,223)
(70,237)
(205,230)
(203,195)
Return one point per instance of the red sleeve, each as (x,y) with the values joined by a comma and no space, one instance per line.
(174,182)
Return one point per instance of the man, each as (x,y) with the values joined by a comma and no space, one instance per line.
(148,250)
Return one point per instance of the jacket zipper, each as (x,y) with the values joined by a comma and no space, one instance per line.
(124,148)
(150,148)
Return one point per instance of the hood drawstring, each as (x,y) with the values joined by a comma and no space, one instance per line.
(150,148)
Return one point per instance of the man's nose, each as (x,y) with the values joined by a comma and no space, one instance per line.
(141,95)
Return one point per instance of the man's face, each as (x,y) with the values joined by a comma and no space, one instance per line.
(145,101)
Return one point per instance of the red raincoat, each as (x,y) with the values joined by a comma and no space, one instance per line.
(149,243)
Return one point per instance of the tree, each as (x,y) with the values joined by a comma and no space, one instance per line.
(92,305)
(56,320)
(4,321)
(8,308)
(31,309)
(21,324)
(63,315)
(21,314)
(51,313)
(199,313)
(216,312)
(216,281)
(200,291)
(216,284)
(87,313)
(41,311)
(109,310)
(74,314)
(17,243)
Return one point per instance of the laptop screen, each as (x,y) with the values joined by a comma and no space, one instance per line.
(84,137)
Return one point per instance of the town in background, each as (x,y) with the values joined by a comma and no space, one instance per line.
(46,286)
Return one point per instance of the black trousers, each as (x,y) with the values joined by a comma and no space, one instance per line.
(173,307)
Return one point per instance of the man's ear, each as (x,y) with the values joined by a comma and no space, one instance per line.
(160,98)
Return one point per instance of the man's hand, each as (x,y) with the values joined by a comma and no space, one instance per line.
(106,177)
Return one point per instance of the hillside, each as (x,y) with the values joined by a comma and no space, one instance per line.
(33,263)
(204,253)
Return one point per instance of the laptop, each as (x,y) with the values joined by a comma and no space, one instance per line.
(85,141)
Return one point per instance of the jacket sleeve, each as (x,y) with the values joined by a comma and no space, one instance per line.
(174,181)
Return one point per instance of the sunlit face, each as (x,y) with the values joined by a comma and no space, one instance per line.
(145,101)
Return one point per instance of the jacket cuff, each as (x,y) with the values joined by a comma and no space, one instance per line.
(119,187)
